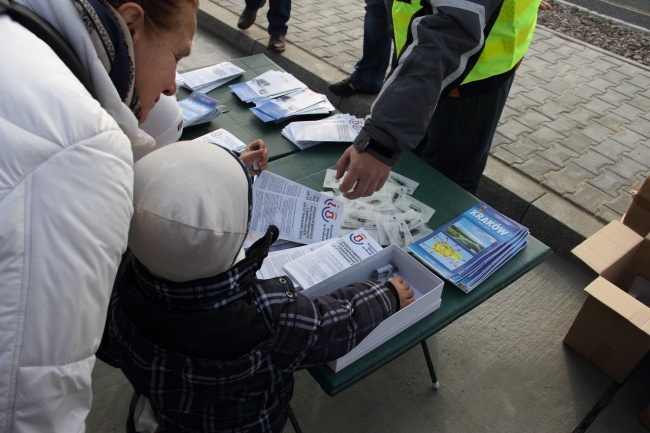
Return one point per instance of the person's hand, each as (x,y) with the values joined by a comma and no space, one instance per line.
(545,6)
(256,152)
(365,175)
(403,290)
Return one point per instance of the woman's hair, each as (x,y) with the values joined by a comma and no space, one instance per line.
(160,15)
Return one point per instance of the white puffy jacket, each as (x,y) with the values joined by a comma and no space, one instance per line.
(66,182)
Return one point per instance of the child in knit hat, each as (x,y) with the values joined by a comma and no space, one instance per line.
(210,346)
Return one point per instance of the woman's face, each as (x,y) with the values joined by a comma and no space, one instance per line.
(156,57)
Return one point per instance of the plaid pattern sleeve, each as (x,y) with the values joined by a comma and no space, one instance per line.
(312,332)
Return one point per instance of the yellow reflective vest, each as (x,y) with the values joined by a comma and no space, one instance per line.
(505,45)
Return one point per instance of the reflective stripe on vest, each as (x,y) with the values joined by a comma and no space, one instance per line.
(505,45)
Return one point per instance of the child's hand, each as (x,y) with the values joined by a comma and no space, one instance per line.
(403,290)
(257,153)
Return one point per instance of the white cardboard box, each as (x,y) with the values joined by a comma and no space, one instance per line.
(426,285)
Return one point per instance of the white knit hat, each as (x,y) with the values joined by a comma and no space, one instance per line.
(164,123)
(191,202)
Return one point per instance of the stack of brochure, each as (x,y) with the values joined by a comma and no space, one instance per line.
(298,103)
(469,248)
(270,84)
(225,139)
(209,78)
(337,128)
(198,108)
(279,95)
(391,215)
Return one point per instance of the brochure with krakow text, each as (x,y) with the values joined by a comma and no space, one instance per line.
(469,248)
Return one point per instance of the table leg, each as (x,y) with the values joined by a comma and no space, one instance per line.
(294,421)
(432,372)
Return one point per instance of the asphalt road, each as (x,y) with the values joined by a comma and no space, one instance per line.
(635,12)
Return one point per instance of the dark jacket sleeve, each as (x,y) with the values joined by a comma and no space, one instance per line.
(445,42)
(312,332)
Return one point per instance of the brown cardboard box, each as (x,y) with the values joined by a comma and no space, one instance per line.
(637,216)
(612,329)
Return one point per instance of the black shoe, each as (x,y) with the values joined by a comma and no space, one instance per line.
(346,88)
(277,43)
(248,17)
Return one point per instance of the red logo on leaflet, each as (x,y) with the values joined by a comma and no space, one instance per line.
(329,212)
(357,238)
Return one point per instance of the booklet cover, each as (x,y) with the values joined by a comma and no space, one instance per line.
(469,248)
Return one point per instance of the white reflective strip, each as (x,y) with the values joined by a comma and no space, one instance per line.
(475,8)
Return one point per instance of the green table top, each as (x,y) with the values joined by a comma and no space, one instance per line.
(308,168)
(240,121)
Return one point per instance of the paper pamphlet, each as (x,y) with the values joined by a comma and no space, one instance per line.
(209,78)
(285,106)
(272,266)
(300,213)
(332,258)
(270,84)
(224,139)
(337,128)
(469,248)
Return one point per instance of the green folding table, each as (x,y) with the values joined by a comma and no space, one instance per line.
(308,168)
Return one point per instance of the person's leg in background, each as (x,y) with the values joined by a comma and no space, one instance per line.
(249,15)
(278,16)
(370,70)
(460,135)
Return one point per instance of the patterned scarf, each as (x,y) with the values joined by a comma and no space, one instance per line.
(115,50)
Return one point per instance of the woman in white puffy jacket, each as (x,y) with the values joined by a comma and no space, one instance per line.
(66,182)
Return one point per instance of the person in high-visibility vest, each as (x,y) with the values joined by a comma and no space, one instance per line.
(456,59)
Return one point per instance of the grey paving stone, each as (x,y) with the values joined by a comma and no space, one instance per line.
(569,100)
(628,167)
(629,138)
(594,162)
(611,148)
(523,147)
(558,87)
(596,131)
(641,154)
(558,154)
(512,128)
(503,155)
(543,135)
(609,182)
(619,205)
(541,95)
(566,179)
(577,142)
(551,109)
(519,101)
(598,105)
(640,125)
(628,87)
(614,97)
(536,167)
(582,115)
(587,91)
(628,111)
(566,126)
(588,197)
(613,121)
